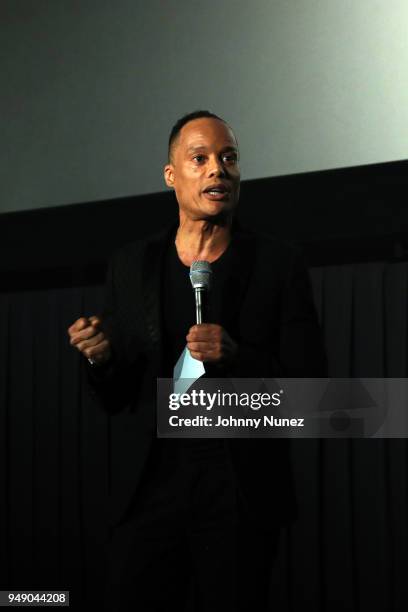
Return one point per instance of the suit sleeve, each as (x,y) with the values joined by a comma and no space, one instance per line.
(113,384)
(299,350)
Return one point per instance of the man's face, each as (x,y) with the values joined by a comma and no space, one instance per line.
(204,170)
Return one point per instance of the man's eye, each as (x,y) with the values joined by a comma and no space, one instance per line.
(198,158)
(230,158)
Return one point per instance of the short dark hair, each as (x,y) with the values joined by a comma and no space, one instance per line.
(175,131)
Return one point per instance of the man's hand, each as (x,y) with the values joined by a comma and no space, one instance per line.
(210,343)
(86,335)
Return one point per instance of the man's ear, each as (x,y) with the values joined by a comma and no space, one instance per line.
(169,175)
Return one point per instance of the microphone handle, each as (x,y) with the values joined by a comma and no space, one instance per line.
(199,301)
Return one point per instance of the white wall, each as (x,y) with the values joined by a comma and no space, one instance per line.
(90,89)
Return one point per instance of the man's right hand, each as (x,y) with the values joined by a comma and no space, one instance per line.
(87,336)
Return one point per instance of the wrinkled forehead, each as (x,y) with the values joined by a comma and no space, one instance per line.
(206,133)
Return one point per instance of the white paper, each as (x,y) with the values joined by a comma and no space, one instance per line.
(186,371)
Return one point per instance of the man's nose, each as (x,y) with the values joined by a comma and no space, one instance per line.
(216,167)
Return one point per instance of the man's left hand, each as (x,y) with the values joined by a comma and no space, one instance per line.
(210,343)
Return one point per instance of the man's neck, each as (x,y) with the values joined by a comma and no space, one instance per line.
(202,240)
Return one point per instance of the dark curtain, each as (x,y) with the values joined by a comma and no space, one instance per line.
(347,551)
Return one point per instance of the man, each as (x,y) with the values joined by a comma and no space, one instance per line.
(206,510)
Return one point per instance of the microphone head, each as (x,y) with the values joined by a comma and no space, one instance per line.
(200,275)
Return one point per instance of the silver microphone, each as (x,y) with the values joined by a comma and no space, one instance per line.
(200,276)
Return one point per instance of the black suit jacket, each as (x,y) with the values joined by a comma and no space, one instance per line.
(277,334)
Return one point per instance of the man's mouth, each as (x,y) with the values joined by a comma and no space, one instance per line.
(216,192)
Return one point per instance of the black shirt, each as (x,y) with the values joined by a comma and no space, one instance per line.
(178,301)
(178,315)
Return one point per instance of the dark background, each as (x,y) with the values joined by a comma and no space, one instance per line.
(349,548)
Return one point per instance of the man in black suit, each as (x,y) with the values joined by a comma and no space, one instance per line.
(206,509)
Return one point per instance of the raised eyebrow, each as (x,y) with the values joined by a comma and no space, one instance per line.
(230,149)
(203,148)
(197,148)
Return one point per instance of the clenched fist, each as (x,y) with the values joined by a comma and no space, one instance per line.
(87,336)
(210,343)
